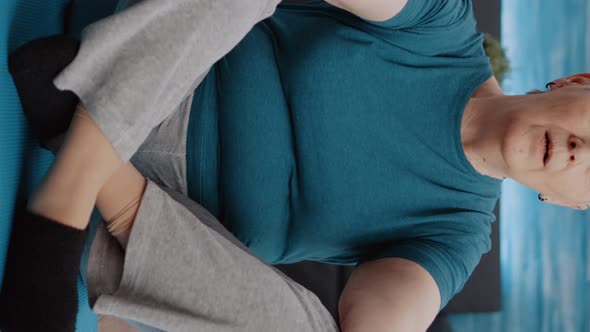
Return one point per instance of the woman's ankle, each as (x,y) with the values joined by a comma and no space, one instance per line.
(70,207)
(119,201)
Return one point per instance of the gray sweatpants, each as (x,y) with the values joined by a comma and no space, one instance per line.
(182,270)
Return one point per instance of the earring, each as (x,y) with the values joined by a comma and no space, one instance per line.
(541,198)
(549,85)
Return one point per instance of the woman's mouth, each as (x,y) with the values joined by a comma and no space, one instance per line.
(548,148)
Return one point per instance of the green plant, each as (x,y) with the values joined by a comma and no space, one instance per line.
(497,55)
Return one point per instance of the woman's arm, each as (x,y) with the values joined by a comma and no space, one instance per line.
(373,10)
(389,294)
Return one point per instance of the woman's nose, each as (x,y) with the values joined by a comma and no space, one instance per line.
(578,150)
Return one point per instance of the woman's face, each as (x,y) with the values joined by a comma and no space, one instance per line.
(547,145)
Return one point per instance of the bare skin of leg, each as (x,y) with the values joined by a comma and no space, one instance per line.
(120,198)
(88,172)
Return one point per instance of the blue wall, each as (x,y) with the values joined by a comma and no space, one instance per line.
(545,250)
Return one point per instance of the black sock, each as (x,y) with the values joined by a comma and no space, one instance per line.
(33,67)
(39,292)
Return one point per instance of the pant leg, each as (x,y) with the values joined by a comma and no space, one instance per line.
(135,67)
(183,271)
(162,157)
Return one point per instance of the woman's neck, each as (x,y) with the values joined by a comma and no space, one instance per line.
(489,88)
(482,129)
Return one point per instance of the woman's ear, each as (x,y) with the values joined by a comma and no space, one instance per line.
(577,79)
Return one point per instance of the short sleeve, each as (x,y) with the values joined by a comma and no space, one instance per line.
(450,257)
(444,28)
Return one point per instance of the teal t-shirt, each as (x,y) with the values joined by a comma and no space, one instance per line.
(326,137)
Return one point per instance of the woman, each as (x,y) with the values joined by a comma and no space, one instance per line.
(370,134)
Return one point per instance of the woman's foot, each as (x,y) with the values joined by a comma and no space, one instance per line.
(33,67)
